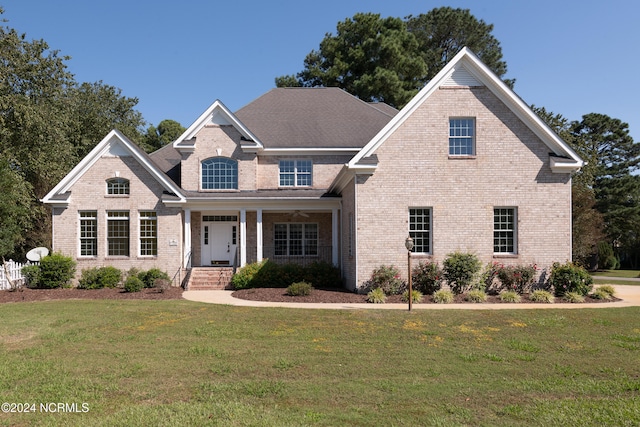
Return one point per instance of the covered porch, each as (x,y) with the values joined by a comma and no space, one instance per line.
(232,233)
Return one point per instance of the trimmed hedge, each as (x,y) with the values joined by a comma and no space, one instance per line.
(268,274)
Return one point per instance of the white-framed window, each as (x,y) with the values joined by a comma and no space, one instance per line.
(88,233)
(219,173)
(462,132)
(148,233)
(505,237)
(420,229)
(295,173)
(118,187)
(296,239)
(118,233)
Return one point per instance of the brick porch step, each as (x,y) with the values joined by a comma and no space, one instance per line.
(210,278)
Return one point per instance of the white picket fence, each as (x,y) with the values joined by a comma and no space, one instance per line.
(15,273)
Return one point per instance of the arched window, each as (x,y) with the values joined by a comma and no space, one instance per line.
(219,173)
(118,186)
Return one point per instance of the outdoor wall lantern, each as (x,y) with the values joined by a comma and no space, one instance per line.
(409,245)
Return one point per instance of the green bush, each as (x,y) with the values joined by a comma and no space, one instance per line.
(517,278)
(323,275)
(540,295)
(570,277)
(607,259)
(573,297)
(376,296)
(149,277)
(509,296)
(299,289)
(427,277)
(98,278)
(31,273)
(476,295)
(388,279)
(489,277)
(443,296)
(599,293)
(416,296)
(133,284)
(56,271)
(244,277)
(461,270)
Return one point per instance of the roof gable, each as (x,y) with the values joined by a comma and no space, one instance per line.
(115,144)
(217,114)
(466,69)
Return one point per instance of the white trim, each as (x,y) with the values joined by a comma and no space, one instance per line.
(334,237)
(218,110)
(113,138)
(470,62)
(259,236)
(309,151)
(186,260)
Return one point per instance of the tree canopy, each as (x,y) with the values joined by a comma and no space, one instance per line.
(391,59)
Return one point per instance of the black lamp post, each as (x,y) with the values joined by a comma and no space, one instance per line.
(409,245)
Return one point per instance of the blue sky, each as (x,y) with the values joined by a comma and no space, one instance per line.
(177,57)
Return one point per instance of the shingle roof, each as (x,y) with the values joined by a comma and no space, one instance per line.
(314,118)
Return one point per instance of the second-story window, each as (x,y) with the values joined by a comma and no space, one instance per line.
(295,173)
(462,136)
(219,173)
(118,187)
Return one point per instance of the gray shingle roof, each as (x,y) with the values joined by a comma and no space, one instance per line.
(314,118)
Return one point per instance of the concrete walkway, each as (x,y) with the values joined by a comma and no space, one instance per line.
(629,295)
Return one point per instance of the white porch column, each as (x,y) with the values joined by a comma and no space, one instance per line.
(243,237)
(334,237)
(259,235)
(187,239)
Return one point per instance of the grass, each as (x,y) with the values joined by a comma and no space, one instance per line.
(178,363)
(620,274)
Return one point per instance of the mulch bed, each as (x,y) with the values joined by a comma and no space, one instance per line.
(347,297)
(28,295)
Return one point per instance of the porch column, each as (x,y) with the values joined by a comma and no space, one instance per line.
(243,237)
(259,235)
(334,237)
(187,239)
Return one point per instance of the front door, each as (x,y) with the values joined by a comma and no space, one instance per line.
(218,243)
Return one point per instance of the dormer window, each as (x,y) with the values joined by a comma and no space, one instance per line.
(219,173)
(118,187)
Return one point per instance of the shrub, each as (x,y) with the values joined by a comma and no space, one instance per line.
(56,271)
(509,296)
(162,285)
(443,296)
(601,294)
(97,278)
(299,289)
(388,279)
(427,277)
(476,295)
(540,295)
(376,296)
(489,276)
(31,274)
(149,277)
(244,277)
(608,289)
(416,296)
(323,275)
(607,260)
(570,277)
(133,284)
(573,297)
(517,278)
(460,271)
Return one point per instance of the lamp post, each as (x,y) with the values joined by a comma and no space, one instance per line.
(409,245)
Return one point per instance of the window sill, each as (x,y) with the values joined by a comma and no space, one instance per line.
(513,256)
(219,190)
(116,196)
(454,157)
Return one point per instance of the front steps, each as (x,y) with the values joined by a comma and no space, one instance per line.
(210,278)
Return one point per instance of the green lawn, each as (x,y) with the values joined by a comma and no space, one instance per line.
(172,363)
(621,274)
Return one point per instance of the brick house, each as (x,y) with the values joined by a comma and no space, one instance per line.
(307,174)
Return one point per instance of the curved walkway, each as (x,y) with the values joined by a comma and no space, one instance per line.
(629,295)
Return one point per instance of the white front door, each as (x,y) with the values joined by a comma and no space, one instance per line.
(218,242)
